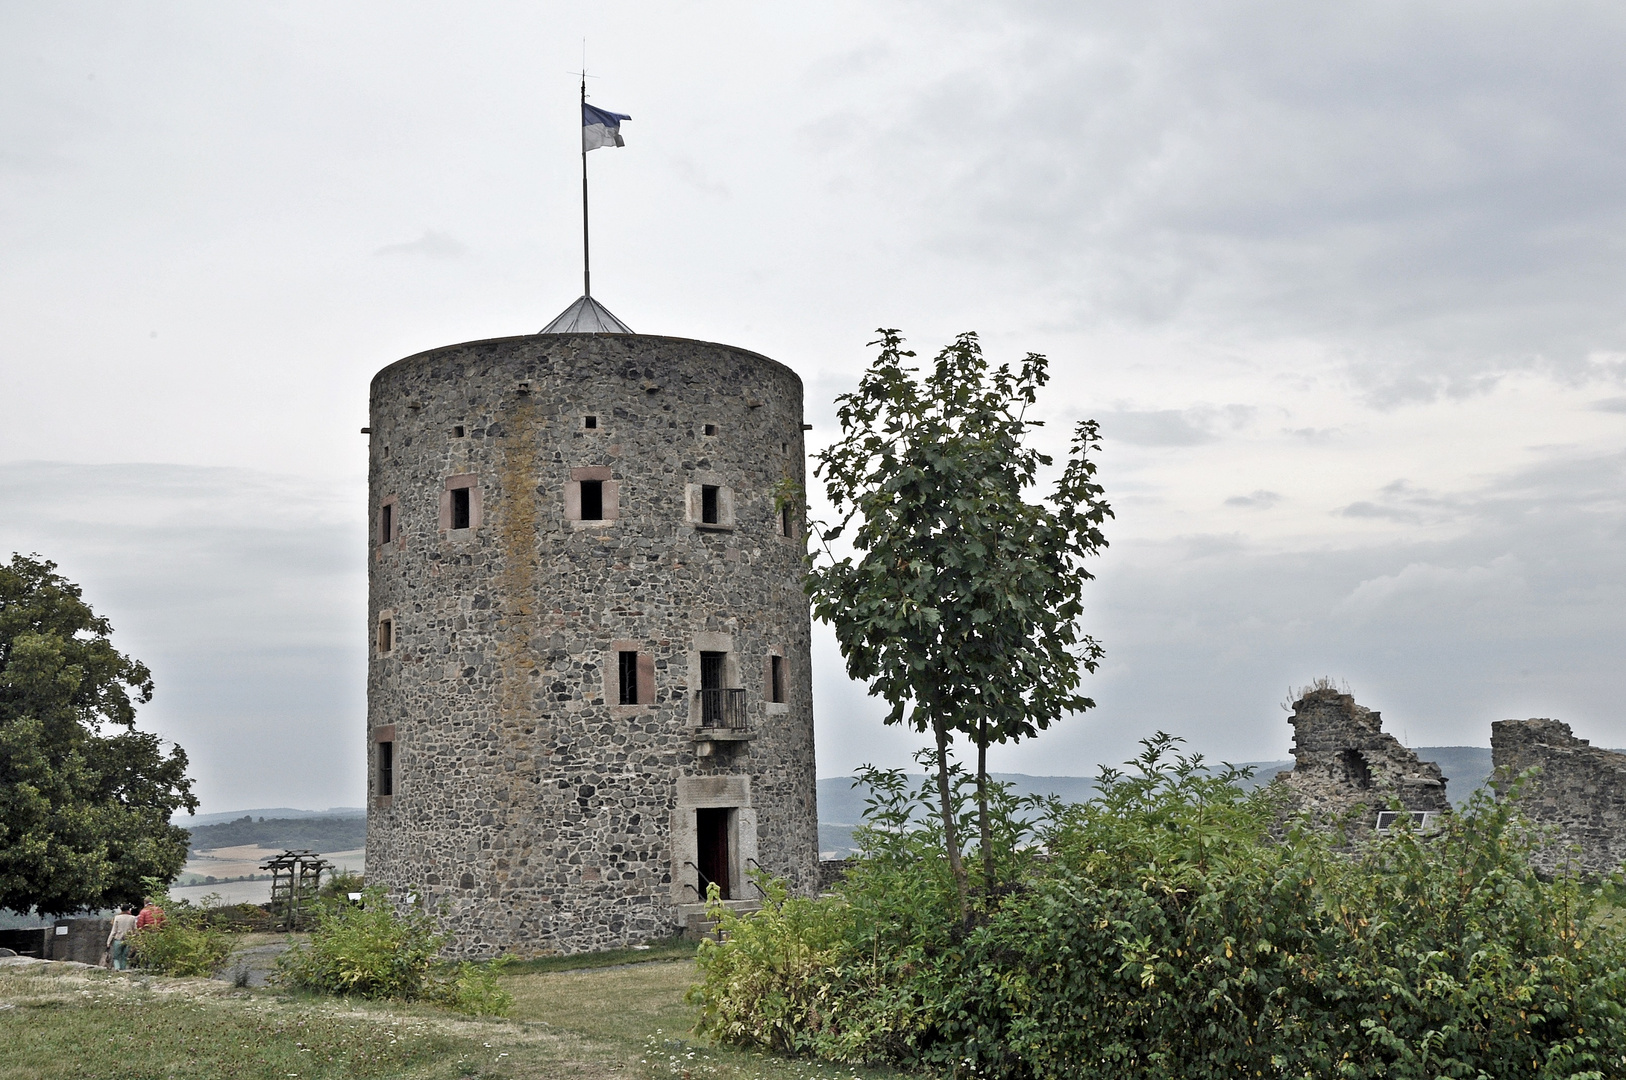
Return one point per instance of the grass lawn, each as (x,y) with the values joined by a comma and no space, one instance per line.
(69,1023)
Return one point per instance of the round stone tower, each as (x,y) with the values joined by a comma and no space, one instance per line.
(588,692)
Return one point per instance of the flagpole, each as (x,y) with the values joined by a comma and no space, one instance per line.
(587,273)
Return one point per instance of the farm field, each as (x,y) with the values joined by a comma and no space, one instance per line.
(238,862)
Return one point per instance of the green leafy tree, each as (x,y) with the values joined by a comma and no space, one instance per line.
(85,799)
(961,606)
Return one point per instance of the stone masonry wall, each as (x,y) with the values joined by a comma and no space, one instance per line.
(1343,760)
(530,809)
(1581,790)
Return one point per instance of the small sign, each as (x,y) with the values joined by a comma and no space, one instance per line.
(62,931)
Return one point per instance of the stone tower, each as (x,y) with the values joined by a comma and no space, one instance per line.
(588,692)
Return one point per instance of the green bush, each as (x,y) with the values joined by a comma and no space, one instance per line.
(186,944)
(1166,928)
(340,886)
(371,950)
(471,989)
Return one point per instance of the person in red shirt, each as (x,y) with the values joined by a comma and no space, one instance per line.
(151,915)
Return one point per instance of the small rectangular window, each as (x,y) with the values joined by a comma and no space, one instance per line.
(589,422)
(460,508)
(776,678)
(592,500)
(628,677)
(457,431)
(386,768)
(787,526)
(386,636)
(708,504)
(386,523)
(710,429)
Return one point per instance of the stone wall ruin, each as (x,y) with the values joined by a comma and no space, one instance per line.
(1581,791)
(1344,764)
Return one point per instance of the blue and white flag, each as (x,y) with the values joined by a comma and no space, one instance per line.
(600,127)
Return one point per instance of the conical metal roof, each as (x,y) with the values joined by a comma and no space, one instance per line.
(586,316)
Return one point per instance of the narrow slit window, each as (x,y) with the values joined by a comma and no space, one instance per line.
(386,768)
(776,678)
(786,525)
(628,664)
(460,508)
(592,500)
(386,523)
(386,636)
(708,504)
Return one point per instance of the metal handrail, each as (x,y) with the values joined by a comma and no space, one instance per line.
(723,708)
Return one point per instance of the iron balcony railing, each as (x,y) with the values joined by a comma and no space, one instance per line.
(724,708)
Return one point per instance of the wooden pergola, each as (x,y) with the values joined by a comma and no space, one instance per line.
(296,879)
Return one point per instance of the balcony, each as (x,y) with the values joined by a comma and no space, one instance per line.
(722,719)
(723,708)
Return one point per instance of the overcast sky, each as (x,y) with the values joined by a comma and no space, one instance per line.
(1343,285)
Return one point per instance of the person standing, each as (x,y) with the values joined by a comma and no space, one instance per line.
(151,915)
(118,939)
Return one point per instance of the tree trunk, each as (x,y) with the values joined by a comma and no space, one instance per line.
(985,827)
(951,832)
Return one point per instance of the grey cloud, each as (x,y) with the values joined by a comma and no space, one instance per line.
(1174,427)
(1259,500)
(435,245)
(1373,510)
(241,590)
(1435,188)
(1522,615)
(1312,435)
(1614,404)
(1160,427)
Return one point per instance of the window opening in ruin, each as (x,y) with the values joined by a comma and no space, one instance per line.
(457,431)
(711,832)
(710,429)
(776,678)
(708,504)
(386,523)
(629,677)
(785,523)
(784,448)
(1355,768)
(386,637)
(592,500)
(460,508)
(386,768)
(589,422)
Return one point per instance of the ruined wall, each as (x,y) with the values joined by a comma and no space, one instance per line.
(1342,760)
(531,809)
(1581,790)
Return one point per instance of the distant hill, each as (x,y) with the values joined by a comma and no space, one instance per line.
(315,833)
(280,813)
(841,805)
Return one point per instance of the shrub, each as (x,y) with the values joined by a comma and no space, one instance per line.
(340,886)
(186,944)
(1169,928)
(471,989)
(371,950)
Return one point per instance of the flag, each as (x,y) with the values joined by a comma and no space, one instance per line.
(600,127)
